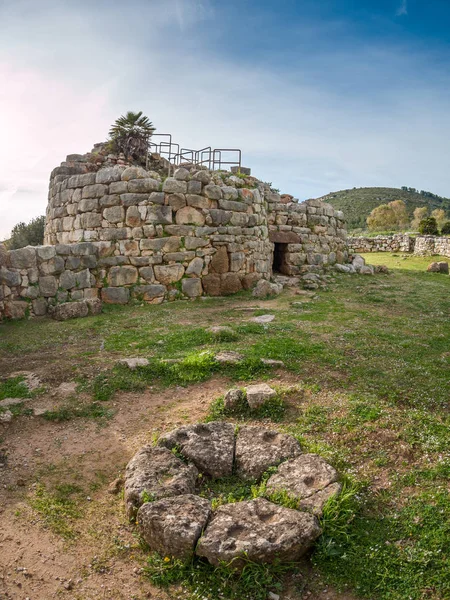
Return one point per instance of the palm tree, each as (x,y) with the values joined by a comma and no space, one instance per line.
(131,134)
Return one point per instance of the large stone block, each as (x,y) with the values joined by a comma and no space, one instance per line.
(90,220)
(94,191)
(48,286)
(174,186)
(112,295)
(192,287)
(143,186)
(214,192)
(114,214)
(109,174)
(159,214)
(126,275)
(70,310)
(168,273)
(220,262)
(189,216)
(173,526)
(23,258)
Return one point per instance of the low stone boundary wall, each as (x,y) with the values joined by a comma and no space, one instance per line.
(429,244)
(381,243)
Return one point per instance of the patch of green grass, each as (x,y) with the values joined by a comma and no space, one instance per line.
(204,581)
(273,409)
(14,387)
(225,490)
(58,509)
(94,410)
(390,553)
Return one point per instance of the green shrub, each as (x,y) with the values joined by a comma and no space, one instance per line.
(428,226)
(446,228)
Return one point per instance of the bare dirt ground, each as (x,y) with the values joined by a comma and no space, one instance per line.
(104,559)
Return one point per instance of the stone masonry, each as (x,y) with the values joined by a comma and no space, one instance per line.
(117,232)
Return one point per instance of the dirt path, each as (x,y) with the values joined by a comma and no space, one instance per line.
(104,558)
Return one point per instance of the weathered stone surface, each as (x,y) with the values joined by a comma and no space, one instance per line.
(257,449)
(210,446)
(173,526)
(168,273)
(109,174)
(230,283)
(220,262)
(233,398)
(48,286)
(262,319)
(133,363)
(174,186)
(189,215)
(181,174)
(115,295)
(134,173)
(126,275)
(70,310)
(158,472)
(195,267)
(261,530)
(265,288)
(284,237)
(258,394)
(159,214)
(143,186)
(192,287)
(23,258)
(438,267)
(229,357)
(308,478)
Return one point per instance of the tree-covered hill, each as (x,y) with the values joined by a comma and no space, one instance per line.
(357,203)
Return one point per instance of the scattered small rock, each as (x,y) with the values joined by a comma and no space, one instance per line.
(133,363)
(263,319)
(115,486)
(272,363)
(66,389)
(12,401)
(258,394)
(6,417)
(265,288)
(232,398)
(229,357)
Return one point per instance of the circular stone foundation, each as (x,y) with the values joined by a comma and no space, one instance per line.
(161,493)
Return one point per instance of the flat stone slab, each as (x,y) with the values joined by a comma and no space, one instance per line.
(172,526)
(210,446)
(261,530)
(12,401)
(309,478)
(257,449)
(133,363)
(156,471)
(229,357)
(258,394)
(263,319)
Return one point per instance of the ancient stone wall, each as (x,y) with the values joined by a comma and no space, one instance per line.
(308,234)
(117,232)
(402,242)
(429,244)
(381,243)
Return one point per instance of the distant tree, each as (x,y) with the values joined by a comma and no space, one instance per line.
(421,212)
(446,228)
(29,234)
(388,216)
(400,212)
(131,134)
(428,226)
(439,215)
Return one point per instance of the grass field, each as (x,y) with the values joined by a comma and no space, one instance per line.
(370,359)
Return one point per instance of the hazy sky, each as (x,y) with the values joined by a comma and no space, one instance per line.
(319,96)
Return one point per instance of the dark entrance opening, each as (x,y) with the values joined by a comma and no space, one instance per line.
(279,258)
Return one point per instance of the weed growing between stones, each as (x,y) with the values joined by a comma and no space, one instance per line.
(273,409)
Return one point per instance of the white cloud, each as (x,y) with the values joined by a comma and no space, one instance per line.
(402,9)
(335,121)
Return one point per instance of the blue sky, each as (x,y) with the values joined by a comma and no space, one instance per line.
(319,95)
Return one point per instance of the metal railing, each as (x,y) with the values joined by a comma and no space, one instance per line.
(214,159)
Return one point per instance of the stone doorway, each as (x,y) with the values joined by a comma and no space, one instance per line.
(279,258)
